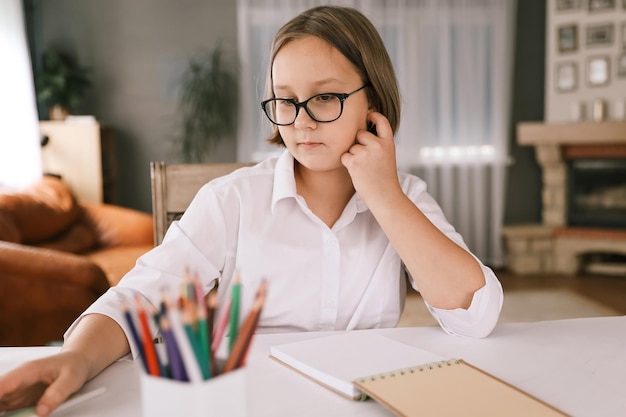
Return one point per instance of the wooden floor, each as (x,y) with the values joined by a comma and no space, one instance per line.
(605,289)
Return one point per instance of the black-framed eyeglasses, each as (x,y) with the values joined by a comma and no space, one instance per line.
(323,108)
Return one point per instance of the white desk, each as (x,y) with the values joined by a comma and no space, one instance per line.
(578,366)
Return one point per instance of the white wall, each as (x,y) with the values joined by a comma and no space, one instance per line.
(563,106)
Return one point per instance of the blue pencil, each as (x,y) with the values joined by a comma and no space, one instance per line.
(135,335)
(177,365)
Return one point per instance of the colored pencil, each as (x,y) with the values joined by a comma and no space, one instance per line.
(160,349)
(261,292)
(184,345)
(149,350)
(220,329)
(201,357)
(210,312)
(176,363)
(234,312)
(211,307)
(133,331)
(202,315)
(204,339)
(240,347)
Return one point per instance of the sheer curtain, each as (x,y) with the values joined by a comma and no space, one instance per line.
(20,151)
(452,59)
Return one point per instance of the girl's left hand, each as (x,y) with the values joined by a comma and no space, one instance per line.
(371,161)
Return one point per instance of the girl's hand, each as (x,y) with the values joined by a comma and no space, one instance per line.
(46,382)
(371,161)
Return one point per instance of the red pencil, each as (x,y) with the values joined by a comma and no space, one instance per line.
(149,349)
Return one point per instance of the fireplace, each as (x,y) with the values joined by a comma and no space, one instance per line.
(583,200)
(596,193)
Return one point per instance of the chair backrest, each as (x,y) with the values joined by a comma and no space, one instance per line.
(175,185)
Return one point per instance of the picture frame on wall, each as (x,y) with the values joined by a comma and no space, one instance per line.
(598,71)
(600,35)
(566,77)
(621,65)
(601,5)
(567,38)
(563,5)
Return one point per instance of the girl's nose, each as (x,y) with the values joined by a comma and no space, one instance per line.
(304,121)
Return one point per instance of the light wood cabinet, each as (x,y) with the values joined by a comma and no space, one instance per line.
(82,153)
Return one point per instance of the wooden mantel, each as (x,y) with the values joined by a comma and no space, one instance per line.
(583,133)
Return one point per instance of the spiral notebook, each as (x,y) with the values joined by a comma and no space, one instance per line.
(407,380)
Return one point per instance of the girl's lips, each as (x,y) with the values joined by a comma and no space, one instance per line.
(309,145)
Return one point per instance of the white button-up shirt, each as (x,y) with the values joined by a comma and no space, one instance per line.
(320,278)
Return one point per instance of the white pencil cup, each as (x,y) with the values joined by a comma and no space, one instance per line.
(224,395)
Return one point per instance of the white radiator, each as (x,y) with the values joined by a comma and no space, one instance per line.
(471,196)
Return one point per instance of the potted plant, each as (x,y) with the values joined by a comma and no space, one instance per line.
(61,84)
(208,104)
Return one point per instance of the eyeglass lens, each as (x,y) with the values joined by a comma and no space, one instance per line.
(322,108)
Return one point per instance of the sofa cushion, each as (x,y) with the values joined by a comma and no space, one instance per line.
(8,228)
(117,261)
(38,212)
(118,226)
(78,238)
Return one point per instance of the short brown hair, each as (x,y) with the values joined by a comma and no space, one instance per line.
(356,38)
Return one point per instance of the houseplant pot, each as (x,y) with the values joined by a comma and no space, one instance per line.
(61,84)
(208,104)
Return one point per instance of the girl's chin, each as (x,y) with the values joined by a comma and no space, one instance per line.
(319,165)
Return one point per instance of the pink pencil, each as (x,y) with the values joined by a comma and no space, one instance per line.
(222,324)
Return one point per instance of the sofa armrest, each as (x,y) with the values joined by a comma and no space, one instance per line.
(42,291)
(51,265)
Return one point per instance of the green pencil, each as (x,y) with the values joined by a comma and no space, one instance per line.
(234,312)
(203,364)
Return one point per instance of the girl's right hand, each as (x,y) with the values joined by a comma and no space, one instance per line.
(45,382)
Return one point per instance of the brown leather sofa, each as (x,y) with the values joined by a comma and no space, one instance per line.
(58,255)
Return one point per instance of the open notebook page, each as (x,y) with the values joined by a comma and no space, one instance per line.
(337,360)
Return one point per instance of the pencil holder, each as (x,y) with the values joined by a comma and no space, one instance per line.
(224,395)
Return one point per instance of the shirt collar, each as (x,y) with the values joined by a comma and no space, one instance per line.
(284,179)
(285,183)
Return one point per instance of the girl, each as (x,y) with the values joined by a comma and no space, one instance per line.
(331,224)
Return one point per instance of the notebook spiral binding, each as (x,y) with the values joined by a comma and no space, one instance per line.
(420,368)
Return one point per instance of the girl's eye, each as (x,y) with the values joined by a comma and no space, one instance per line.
(324,98)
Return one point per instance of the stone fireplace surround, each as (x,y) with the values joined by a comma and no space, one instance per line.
(553,246)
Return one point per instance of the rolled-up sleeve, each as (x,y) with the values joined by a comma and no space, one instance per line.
(482,315)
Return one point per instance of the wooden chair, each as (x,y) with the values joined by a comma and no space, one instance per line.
(175,185)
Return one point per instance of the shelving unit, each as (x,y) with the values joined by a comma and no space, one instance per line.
(83,155)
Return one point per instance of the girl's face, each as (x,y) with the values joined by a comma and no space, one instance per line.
(306,67)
